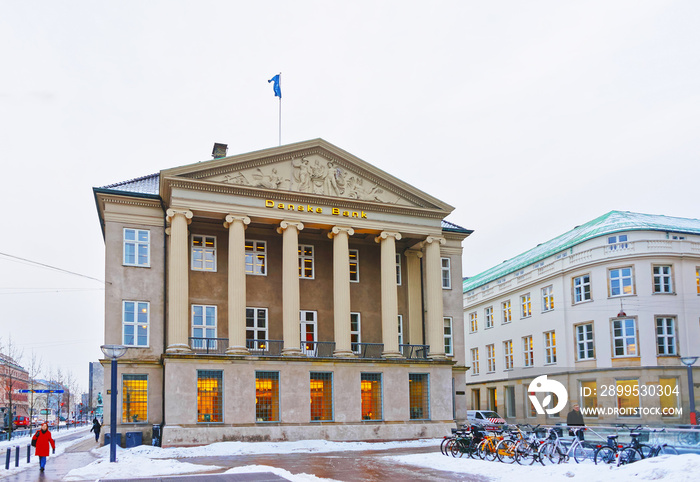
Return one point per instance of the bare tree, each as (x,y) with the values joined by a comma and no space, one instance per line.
(13,377)
(34,368)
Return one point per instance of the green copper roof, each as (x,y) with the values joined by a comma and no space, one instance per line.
(612,222)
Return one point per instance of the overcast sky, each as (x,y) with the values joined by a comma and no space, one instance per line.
(528,117)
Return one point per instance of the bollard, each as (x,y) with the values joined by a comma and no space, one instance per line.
(7,459)
(29,451)
(17,456)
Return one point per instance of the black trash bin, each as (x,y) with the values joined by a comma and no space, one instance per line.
(156,441)
(118,438)
(134,439)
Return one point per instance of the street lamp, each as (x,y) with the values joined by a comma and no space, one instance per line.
(689,361)
(113,352)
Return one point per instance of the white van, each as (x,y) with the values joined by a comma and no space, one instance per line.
(484,417)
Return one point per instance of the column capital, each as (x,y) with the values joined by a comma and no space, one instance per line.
(341,229)
(413,253)
(171,213)
(287,224)
(433,239)
(387,234)
(230,218)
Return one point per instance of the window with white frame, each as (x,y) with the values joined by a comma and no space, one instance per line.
(663,282)
(355,332)
(256,328)
(488,314)
(550,348)
(582,288)
(697,280)
(446,273)
(506,311)
(508,355)
(135,321)
(447,334)
(525,306)
(473,324)
(398,269)
(547,298)
(255,257)
(354,265)
(625,337)
(528,352)
(621,281)
(400,329)
(203,253)
(137,250)
(666,335)
(306,261)
(475,361)
(491,358)
(617,242)
(203,326)
(584,342)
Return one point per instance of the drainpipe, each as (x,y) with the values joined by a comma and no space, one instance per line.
(165,304)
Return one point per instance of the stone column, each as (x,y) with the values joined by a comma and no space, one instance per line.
(341,290)
(433,296)
(390,308)
(178,286)
(290,287)
(415,301)
(236,284)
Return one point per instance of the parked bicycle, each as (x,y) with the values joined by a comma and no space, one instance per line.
(552,451)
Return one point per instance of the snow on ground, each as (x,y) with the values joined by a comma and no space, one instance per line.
(676,468)
(277,471)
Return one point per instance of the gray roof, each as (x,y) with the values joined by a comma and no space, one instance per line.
(612,222)
(454,228)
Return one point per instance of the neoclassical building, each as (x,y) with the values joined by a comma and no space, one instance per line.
(292,293)
(608,309)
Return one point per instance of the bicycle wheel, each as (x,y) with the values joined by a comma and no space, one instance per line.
(548,454)
(580,453)
(524,453)
(444,444)
(604,456)
(666,449)
(645,450)
(629,455)
(487,450)
(455,448)
(473,448)
(505,451)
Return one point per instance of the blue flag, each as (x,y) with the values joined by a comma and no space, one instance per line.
(276,85)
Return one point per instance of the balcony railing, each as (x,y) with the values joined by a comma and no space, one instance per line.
(209,346)
(414,351)
(318,349)
(367,350)
(265,347)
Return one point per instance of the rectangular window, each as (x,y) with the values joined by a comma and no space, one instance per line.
(204,326)
(321,387)
(666,336)
(550,348)
(418,396)
(508,355)
(528,352)
(505,309)
(475,361)
(371,394)
(492,398)
(582,288)
(697,280)
(447,334)
(531,410)
(488,314)
(588,393)
(137,250)
(134,398)
(617,242)
(267,396)
(400,330)
(621,281)
(627,392)
(473,325)
(584,342)
(509,392)
(306,261)
(135,323)
(256,328)
(525,306)
(203,253)
(210,396)
(663,282)
(547,298)
(354,265)
(491,358)
(398,269)
(668,396)
(307,320)
(625,338)
(446,276)
(476,399)
(255,257)
(355,332)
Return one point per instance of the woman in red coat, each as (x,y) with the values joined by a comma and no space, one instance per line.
(41,441)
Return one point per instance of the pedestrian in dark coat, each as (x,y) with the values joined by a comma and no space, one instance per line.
(96,428)
(575,419)
(41,441)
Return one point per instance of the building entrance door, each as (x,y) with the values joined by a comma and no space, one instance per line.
(308,332)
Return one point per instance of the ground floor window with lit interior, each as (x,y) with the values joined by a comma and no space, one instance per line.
(209,396)
(321,396)
(418,396)
(371,391)
(267,396)
(134,398)
(627,392)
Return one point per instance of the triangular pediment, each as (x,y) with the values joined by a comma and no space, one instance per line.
(312,168)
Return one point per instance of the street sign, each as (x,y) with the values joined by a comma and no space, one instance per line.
(45,411)
(40,391)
